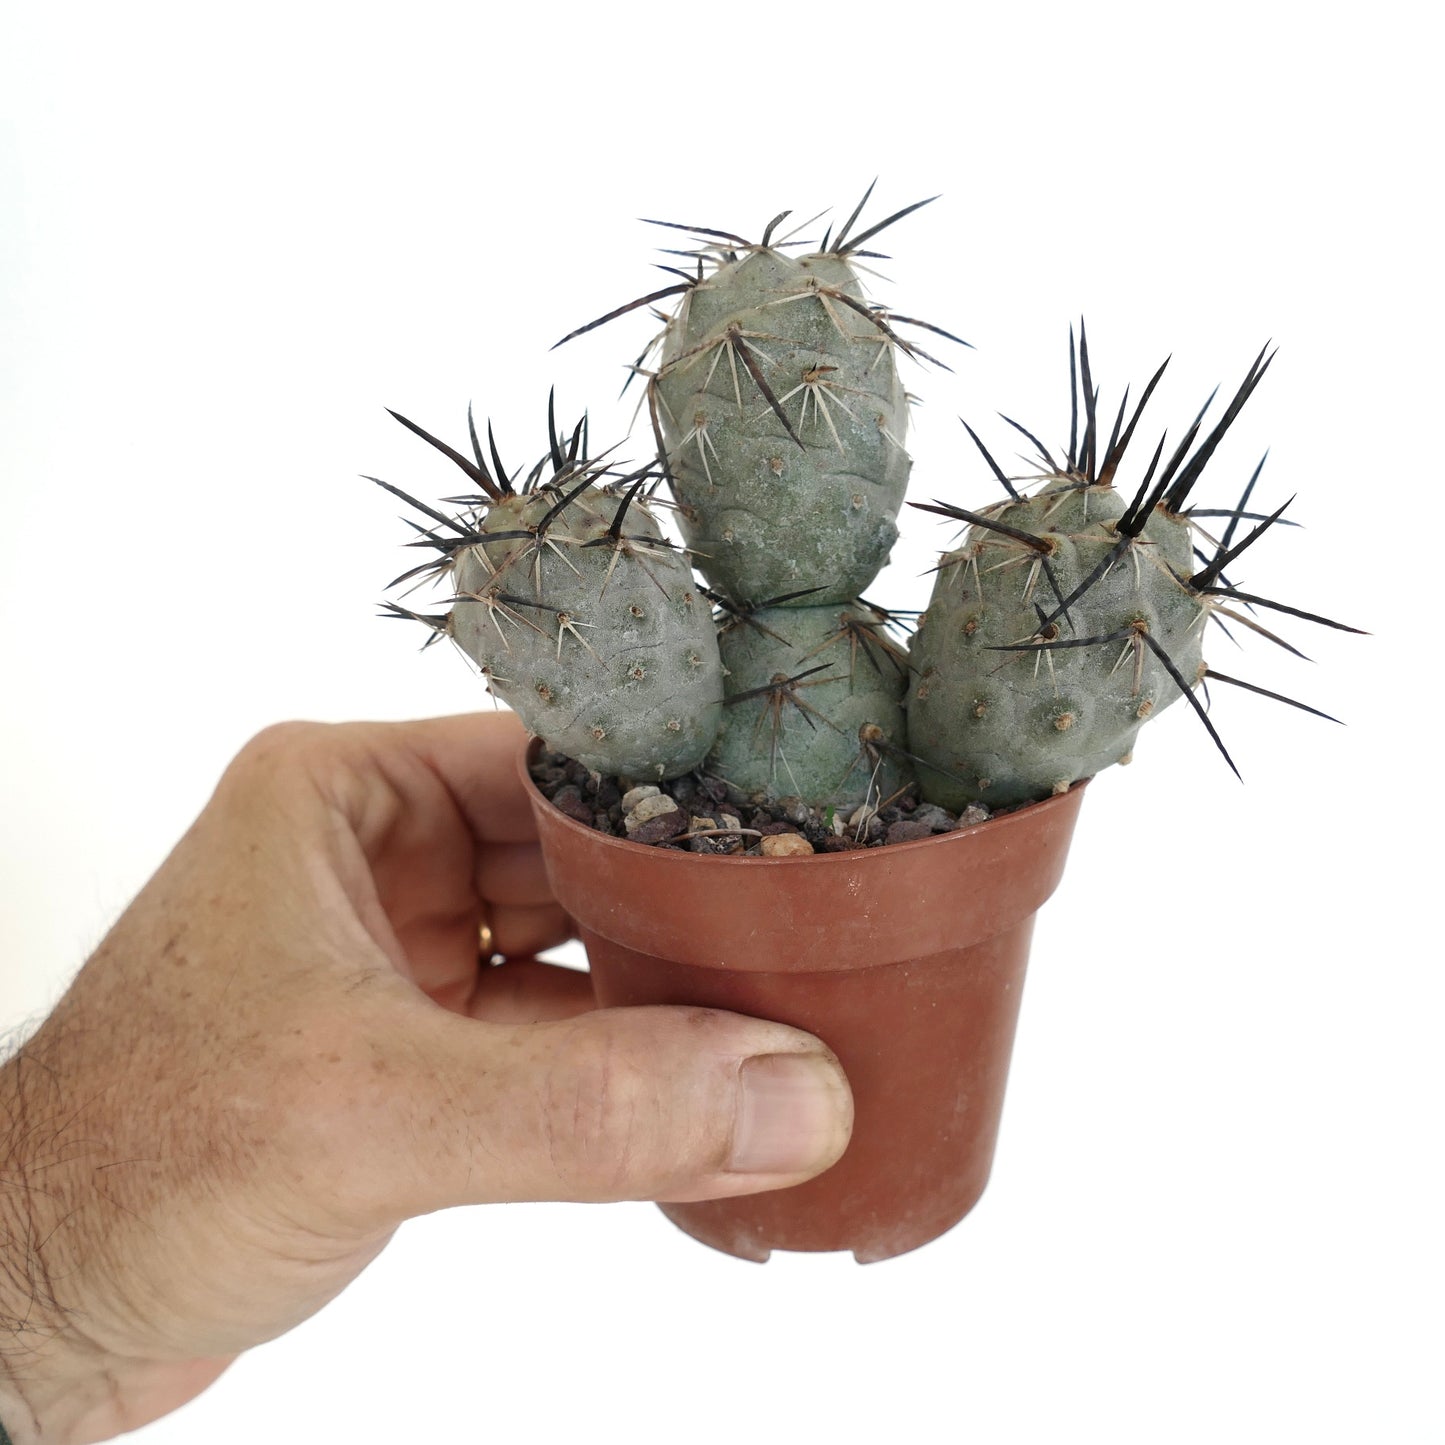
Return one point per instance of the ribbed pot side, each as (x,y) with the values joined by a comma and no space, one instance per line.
(908,961)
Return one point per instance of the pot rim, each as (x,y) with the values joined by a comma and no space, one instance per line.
(855,909)
(996,823)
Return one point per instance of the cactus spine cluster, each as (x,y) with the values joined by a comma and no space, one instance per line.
(1069,615)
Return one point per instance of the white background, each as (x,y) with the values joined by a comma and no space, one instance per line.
(231,235)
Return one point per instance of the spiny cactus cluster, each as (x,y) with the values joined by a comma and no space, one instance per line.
(581,615)
(1071,616)
(1068,616)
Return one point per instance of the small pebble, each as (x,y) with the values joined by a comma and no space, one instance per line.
(660,828)
(569,800)
(648,813)
(646,809)
(938,819)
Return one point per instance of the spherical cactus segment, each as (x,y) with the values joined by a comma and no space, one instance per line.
(1006,709)
(1069,617)
(585,620)
(779,412)
(603,645)
(814,705)
(783,416)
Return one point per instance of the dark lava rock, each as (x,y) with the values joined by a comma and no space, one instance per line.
(662,827)
(569,800)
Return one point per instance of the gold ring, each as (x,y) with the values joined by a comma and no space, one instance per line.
(485,937)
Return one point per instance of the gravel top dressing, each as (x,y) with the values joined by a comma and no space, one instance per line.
(708,815)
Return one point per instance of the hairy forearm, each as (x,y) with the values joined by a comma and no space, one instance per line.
(39,1384)
(63,1380)
(57,1386)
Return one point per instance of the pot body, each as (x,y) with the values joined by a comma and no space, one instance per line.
(907,961)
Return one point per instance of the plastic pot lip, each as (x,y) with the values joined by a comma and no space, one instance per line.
(819,912)
(711,861)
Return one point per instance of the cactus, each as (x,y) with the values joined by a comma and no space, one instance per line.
(812,450)
(1000,709)
(583,618)
(1070,614)
(779,414)
(1069,617)
(815,699)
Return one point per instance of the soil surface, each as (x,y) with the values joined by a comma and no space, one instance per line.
(707,815)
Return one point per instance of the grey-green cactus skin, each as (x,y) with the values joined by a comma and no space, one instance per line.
(1003,727)
(1064,621)
(603,647)
(813,738)
(767,514)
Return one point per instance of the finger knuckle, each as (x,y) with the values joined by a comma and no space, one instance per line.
(604,1121)
(281,740)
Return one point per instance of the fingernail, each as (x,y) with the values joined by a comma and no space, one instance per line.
(794,1115)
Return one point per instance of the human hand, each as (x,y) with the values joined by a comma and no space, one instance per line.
(287,1045)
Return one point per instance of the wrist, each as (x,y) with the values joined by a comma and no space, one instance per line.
(52,1390)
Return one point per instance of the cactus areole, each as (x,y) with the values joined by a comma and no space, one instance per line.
(1071,613)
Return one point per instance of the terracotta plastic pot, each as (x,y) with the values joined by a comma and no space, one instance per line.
(907,960)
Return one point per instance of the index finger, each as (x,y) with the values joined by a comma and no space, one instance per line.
(475,757)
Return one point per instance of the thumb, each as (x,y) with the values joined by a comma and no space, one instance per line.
(664,1103)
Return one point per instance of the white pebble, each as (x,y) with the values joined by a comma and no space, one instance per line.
(647,809)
